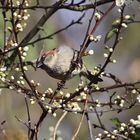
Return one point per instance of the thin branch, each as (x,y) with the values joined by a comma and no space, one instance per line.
(58,123)
(28,114)
(5,21)
(78,21)
(78,129)
(89,126)
(21,121)
(84,7)
(115,43)
(96,112)
(73,7)
(88,41)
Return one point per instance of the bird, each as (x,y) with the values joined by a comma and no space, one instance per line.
(57,62)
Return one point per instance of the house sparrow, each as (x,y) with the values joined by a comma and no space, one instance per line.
(57,63)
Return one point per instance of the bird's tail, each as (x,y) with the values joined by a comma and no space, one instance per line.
(93,78)
(88,74)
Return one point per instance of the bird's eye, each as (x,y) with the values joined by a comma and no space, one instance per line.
(47,57)
(43,58)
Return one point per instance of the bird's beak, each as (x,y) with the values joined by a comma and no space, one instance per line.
(38,63)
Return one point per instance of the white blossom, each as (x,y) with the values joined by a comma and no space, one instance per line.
(90,52)
(97,15)
(138,98)
(98,139)
(120,3)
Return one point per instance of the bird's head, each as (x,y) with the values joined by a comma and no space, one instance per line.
(46,58)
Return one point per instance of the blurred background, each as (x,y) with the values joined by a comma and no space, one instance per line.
(127,69)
